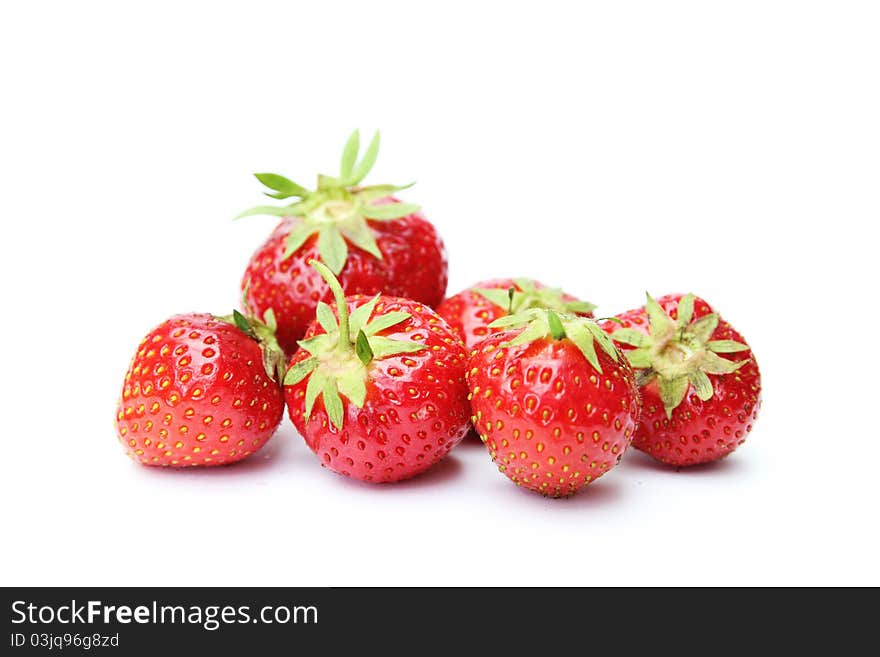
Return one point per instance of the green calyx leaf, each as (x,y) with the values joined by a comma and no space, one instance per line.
(363,349)
(701,383)
(539,323)
(384,347)
(288,211)
(332,247)
(361,235)
(672,392)
(326,318)
(527,295)
(389,211)
(658,320)
(338,209)
(282,187)
(631,337)
(679,353)
(385,321)
(264,333)
(299,371)
(725,346)
(581,336)
(555,324)
(243,324)
(360,170)
(361,315)
(703,328)
(349,155)
(376,192)
(685,310)
(339,359)
(332,401)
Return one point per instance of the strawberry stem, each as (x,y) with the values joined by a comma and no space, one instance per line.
(341,305)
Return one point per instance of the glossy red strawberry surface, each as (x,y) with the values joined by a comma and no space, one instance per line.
(415,408)
(413,265)
(551,421)
(698,431)
(469,312)
(197,394)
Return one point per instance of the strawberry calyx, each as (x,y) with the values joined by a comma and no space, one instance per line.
(339,359)
(338,209)
(541,323)
(679,353)
(529,295)
(264,333)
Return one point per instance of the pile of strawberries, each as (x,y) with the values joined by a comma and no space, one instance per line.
(344,322)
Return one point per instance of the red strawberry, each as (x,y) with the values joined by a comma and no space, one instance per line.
(472,310)
(380,394)
(370,240)
(698,405)
(555,412)
(201,391)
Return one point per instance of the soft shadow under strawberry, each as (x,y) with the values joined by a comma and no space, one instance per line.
(605,492)
(635,460)
(445,471)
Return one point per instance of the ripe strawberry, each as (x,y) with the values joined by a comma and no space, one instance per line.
(202,391)
(472,310)
(380,394)
(555,412)
(369,239)
(698,406)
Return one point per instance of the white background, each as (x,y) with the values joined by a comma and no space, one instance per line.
(730,149)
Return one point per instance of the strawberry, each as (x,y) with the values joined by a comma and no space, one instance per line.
(555,412)
(369,239)
(698,405)
(472,310)
(378,394)
(202,391)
